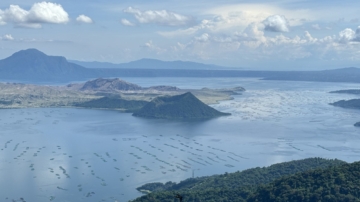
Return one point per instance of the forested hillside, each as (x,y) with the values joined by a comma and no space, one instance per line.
(238,186)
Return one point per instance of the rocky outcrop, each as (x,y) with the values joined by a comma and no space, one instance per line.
(116,84)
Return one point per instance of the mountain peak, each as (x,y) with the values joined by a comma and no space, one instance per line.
(185,106)
(29,52)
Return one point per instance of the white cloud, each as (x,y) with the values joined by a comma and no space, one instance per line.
(276,23)
(251,13)
(84,19)
(161,17)
(47,12)
(348,35)
(43,12)
(127,22)
(8,37)
(205,24)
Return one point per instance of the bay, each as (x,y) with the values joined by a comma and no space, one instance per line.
(65,154)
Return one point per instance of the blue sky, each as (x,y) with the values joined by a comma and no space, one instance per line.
(276,35)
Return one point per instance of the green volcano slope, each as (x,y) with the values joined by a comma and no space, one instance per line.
(184,106)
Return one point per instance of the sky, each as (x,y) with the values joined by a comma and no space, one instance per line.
(247,34)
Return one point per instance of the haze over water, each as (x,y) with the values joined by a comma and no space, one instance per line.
(65,154)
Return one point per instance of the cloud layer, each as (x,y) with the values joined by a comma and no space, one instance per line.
(239,33)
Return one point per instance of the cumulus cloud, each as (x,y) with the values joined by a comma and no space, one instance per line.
(349,35)
(276,23)
(43,12)
(161,17)
(127,22)
(84,19)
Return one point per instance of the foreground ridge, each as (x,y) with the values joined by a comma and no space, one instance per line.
(247,185)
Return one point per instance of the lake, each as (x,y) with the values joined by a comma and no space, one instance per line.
(65,154)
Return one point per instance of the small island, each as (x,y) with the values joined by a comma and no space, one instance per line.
(184,106)
(349,91)
(351,104)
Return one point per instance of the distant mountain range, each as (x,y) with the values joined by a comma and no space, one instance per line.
(35,66)
(150,64)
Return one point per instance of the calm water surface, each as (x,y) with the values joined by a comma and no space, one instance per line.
(102,155)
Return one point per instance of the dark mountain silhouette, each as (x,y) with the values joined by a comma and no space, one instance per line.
(184,106)
(32,64)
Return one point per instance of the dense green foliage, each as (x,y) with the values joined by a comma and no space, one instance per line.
(236,186)
(185,106)
(112,103)
(341,183)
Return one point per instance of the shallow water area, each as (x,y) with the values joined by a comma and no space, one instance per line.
(64,154)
